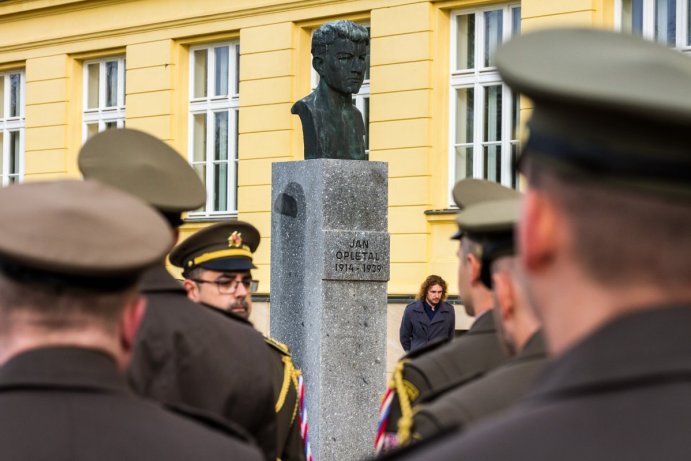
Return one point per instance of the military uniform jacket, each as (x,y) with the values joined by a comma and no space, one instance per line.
(435,371)
(622,393)
(186,355)
(289,443)
(493,393)
(71,404)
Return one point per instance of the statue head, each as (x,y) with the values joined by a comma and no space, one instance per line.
(340,53)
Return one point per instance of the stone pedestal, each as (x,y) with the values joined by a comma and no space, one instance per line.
(329,268)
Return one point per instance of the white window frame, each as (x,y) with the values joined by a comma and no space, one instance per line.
(10,124)
(682,39)
(477,79)
(361,99)
(103,114)
(211,105)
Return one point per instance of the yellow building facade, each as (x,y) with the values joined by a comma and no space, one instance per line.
(217,80)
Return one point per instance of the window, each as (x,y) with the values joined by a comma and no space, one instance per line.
(104,95)
(484,112)
(213,122)
(665,21)
(12,126)
(361,99)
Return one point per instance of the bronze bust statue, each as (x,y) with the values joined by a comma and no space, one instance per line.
(332,126)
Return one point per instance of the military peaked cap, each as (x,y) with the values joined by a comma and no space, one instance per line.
(224,246)
(89,232)
(608,107)
(144,166)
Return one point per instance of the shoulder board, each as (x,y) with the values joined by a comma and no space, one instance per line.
(279,346)
(432,345)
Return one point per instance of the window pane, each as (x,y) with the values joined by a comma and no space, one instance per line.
(464,163)
(465,42)
(200,75)
(2,97)
(199,148)
(665,21)
(15,95)
(221,136)
(515,116)
(13,158)
(91,129)
(93,71)
(515,21)
(221,181)
(492,162)
(2,149)
(221,74)
(465,115)
(111,84)
(493,34)
(236,77)
(492,113)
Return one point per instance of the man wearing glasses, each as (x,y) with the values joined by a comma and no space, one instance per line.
(216,264)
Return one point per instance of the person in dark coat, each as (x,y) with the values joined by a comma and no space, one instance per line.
(604,252)
(440,367)
(216,263)
(429,318)
(184,356)
(69,267)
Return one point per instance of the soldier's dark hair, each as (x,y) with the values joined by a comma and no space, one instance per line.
(429,283)
(61,306)
(622,237)
(327,33)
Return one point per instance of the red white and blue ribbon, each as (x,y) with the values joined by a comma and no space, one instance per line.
(383,440)
(303,419)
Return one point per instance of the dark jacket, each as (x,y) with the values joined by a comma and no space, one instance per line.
(289,443)
(71,404)
(186,355)
(417,329)
(447,366)
(624,392)
(498,390)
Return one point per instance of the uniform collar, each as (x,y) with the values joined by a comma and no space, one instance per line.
(62,368)
(632,349)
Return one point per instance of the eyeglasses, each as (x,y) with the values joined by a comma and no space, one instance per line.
(228,287)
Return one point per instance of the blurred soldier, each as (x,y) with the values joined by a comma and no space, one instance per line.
(70,308)
(184,356)
(429,317)
(605,251)
(439,366)
(517,326)
(217,264)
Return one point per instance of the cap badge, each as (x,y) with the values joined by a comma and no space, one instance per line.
(235,240)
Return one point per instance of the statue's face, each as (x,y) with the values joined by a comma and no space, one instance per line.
(344,65)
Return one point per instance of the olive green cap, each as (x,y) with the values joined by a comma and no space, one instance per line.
(225,246)
(83,229)
(470,191)
(144,166)
(491,225)
(608,107)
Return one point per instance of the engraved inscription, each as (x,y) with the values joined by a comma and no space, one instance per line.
(357,255)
